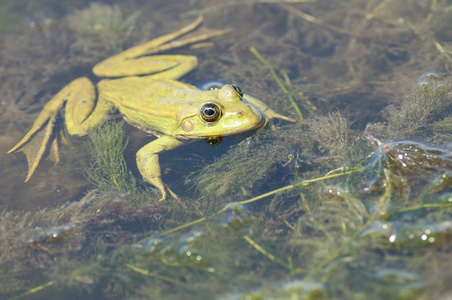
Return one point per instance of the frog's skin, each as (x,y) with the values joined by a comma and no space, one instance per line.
(147,94)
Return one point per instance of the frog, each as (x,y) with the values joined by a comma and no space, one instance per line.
(141,85)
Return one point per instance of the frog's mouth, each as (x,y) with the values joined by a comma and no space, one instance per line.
(259,121)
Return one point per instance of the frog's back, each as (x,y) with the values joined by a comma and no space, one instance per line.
(149,103)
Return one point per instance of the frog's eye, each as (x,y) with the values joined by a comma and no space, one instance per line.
(214,141)
(212,86)
(210,112)
(237,89)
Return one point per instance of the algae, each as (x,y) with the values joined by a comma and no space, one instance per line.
(108,171)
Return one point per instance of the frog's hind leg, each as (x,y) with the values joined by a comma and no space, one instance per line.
(46,135)
(141,59)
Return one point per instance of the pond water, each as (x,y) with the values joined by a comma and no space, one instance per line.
(352,201)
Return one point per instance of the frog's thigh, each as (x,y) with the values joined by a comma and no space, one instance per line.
(82,111)
(148,162)
(161,66)
(81,99)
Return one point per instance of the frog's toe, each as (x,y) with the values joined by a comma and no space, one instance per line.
(38,143)
(170,192)
(165,191)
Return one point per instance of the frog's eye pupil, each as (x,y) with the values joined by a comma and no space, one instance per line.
(237,89)
(210,112)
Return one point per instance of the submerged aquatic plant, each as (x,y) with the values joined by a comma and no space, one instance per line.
(424,111)
(108,171)
(430,102)
(103,27)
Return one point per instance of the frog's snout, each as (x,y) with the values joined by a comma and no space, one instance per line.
(260,119)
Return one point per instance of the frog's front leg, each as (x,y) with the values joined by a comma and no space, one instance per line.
(267,111)
(78,100)
(148,162)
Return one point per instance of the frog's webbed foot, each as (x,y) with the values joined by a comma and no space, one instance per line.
(164,194)
(47,133)
(39,142)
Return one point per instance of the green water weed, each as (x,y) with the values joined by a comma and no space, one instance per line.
(108,171)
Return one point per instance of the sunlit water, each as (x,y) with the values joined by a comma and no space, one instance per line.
(359,198)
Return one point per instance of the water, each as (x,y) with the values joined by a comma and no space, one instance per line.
(358,202)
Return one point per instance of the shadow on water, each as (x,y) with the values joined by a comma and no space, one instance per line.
(352,201)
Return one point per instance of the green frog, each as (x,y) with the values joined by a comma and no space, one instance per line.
(145,91)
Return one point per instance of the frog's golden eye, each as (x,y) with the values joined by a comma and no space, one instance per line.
(214,141)
(210,112)
(237,89)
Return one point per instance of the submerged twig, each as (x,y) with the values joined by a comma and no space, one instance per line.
(288,187)
(278,81)
(150,274)
(442,51)
(272,257)
(314,20)
(33,290)
(432,9)
(360,27)
(421,206)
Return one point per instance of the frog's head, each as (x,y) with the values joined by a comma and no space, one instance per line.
(227,113)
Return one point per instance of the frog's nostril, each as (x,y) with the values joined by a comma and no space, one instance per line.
(239,114)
